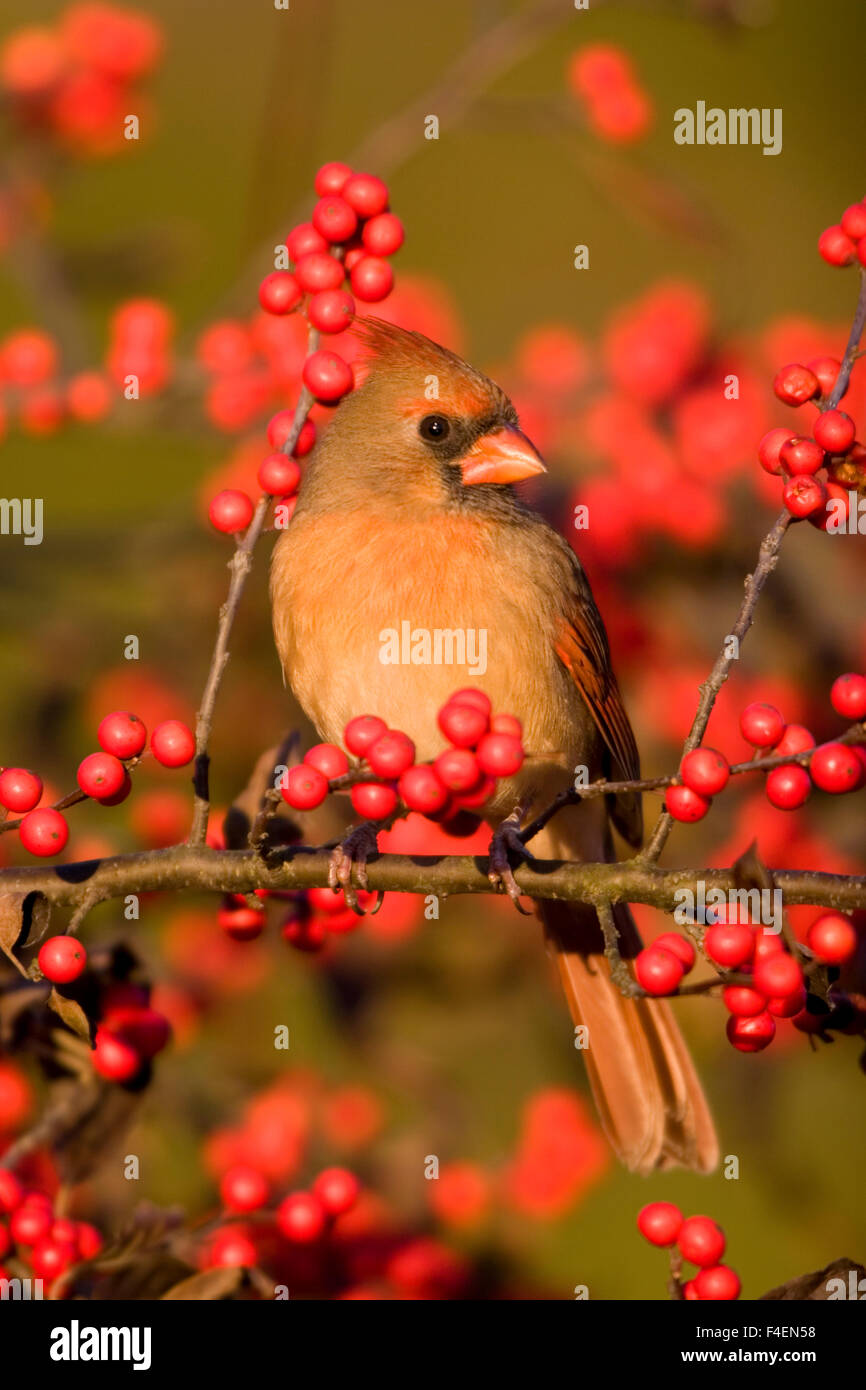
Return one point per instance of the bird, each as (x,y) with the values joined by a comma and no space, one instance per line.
(408,512)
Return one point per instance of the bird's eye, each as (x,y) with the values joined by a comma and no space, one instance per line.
(434,428)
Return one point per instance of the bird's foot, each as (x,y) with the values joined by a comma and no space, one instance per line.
(349,862)
(507,848)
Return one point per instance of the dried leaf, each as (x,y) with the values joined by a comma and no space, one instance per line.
(209,1284)
(21,914)
(72,1014)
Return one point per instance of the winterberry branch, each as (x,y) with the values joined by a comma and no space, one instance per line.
(240,565)
(768,558)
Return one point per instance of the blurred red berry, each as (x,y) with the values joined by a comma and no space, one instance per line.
(833,938)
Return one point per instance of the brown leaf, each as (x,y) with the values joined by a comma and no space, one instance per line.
(72,1014)
(814,1286)
(209,1284)
(21,914)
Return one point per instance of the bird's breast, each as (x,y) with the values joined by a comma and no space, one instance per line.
(391,616)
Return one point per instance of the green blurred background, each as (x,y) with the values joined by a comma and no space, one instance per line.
(457,1026)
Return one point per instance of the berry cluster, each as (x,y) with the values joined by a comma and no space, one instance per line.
(484,747)
(845,242)
(603,77)
(74,82)
(130,1033)
(102,776)
(700,1241)
(351,234)
(832,449)
(834,767)
(770,982)
(32,1234)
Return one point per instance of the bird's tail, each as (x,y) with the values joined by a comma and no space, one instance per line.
(648,1095)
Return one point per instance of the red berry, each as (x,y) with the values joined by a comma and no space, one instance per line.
(331,310)
(506,724)
(729,945)
(701,1241)
(795,384)
(371,278)
(319,271)
(836,247)
(122,734)
(787,1005)
(801,455)
(330,760)
(777,975)
(788,788)
(304,240)
(767,943)
(479,796)
(44,832)
(678,946)
(337,1189)
(362,732)
(795,739)
(770,448)
(301,1217)
(660,1222)
(834,431)
(305,935)
(705,771)
(373,801)
(718,1282)
(241,923)
(31,1222)
(334,218)
(173,743)
(457,769)
(462,724)
(751,1034)
(231,1248)
(826,370)
(391,754)
(803,496)
(833,938)
(62,959)
(242,1188)
(113,1058)
(836,768)
(101,775)
(280,427)
(280,293)
(469,695)
(147,1030)
(847,696)
(90,1241)
(366,194)
(500,755)
(331,178)
(231,511)
(422,791)
(686,805)
(383,235)
(20,789)
(306,787)
(658,971)
(279,475)
(761,725)
(51,1258)
(327,375)
(854,221)
(11,1191)
(742,1001)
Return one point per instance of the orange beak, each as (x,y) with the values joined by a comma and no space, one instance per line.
(503,456)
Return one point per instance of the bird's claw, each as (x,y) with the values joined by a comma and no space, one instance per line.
(349,861)
(506,845)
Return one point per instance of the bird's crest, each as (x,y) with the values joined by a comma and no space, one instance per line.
(414,358)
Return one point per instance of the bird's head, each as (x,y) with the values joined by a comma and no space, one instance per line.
(425,424)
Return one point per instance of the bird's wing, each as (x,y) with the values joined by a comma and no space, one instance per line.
(581,646)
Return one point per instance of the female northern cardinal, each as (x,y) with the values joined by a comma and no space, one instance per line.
(406,514)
